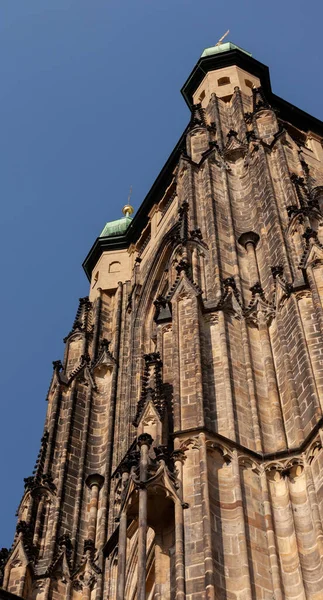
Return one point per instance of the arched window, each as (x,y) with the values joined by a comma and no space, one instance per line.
(223,81)
(114,267)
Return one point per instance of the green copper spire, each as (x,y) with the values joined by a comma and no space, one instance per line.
(219,48)
(119,226)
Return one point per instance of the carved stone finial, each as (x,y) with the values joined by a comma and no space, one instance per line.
(309,233)
(81,321)
(133,458)
(65,542)
(125,466)
(162,453)
(104,344)
(182,266)
(232,133)
(257,289)
(260,102)
(179,456)
(145,440)
(57,365)
(229,282)
(85,358)
(88,546)
(277,271)
(291,210)
(297,179)
(196,234)
(25,530)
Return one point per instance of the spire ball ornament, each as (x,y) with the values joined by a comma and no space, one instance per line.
(128,210)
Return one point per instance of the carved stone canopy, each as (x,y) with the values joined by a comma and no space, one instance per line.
(95,479)
(249,237)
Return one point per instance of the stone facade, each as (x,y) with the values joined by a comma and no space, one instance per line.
(182,453)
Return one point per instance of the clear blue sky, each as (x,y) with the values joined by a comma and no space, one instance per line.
(89,104)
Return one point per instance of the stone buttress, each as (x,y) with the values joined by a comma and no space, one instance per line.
(182,451)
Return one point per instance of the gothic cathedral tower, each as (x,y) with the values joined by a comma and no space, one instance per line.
(182,452)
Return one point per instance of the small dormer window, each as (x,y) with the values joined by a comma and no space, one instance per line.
(248,83)
(223,81)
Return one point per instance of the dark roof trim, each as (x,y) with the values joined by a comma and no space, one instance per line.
(140,219)
(219,61)
(295,116)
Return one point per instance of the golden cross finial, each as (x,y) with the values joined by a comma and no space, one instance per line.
(222,38)
(128,210)
(129,196)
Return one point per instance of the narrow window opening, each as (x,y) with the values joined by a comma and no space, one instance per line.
(115,267)
(95,279)
(223,81)
(248,83)
(202,96)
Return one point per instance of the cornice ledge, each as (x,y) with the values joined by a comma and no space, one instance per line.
(261,457)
